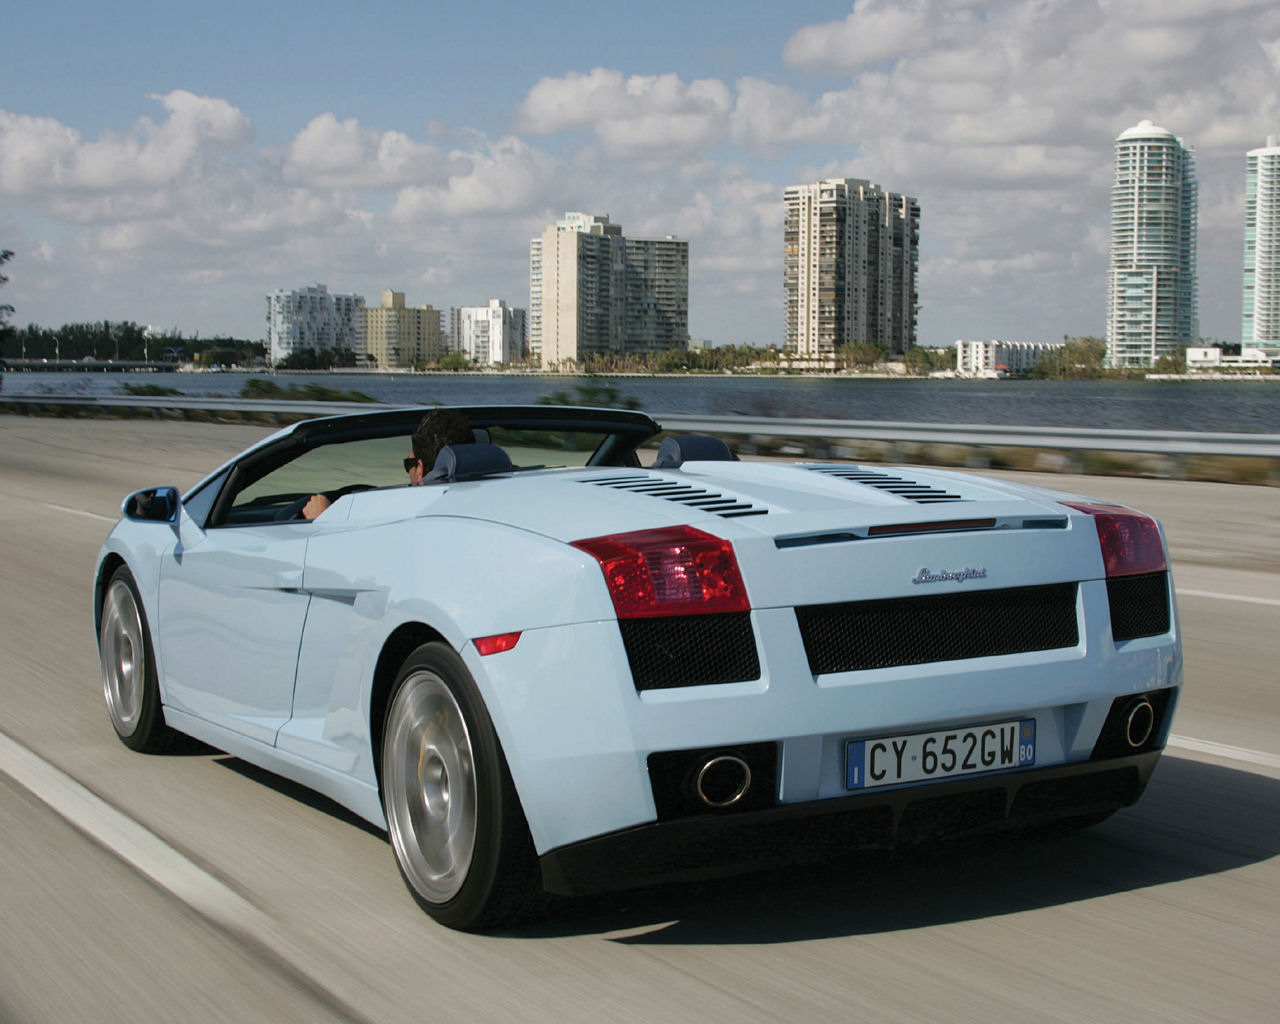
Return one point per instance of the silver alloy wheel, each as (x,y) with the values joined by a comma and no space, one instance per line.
(123,652)
(429,785)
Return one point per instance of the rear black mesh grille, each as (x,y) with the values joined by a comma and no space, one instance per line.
(690,650)
(1139,605)
(860,635)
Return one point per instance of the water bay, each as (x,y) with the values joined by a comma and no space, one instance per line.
(1244,406)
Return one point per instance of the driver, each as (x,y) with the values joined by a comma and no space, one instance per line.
(438,428)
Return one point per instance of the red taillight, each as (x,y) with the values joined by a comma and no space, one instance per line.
(1130,541)
(676,570)
(495,644)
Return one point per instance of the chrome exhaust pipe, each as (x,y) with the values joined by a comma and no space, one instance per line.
(722,780)
(1139,722)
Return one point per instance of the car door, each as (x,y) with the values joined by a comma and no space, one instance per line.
(233,612)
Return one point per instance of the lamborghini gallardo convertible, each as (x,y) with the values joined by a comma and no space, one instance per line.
(583,655)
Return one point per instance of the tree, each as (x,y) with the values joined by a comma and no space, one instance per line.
(453,361)
(6,310)
(860,355)
(317,359)
(1175,362)
(1076,359)
(924,361)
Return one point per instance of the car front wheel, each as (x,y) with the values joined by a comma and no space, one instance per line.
(128,668)
(453,816)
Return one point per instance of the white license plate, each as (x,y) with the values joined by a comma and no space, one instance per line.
(922,756)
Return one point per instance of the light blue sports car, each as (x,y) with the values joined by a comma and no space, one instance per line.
(573,660)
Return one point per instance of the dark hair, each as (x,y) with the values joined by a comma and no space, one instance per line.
(438,428)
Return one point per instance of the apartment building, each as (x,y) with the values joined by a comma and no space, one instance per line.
(850,256)
(397,336)
(593,291)
(312,318)
(1260,320)
(1152,300)
(491,335)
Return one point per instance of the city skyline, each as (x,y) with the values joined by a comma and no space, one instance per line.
(170,166)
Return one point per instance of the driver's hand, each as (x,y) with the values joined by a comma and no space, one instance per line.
(315,506)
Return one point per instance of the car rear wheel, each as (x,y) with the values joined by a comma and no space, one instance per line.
(128,668)
(453,816)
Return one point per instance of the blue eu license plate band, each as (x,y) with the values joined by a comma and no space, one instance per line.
(945,754)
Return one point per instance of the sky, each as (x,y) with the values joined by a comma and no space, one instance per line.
(172,163)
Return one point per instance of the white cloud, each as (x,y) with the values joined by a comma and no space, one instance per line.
(329,152)
(503,177)
(41,156)
(875,31)
(649,116)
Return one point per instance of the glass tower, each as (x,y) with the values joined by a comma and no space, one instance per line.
(1260,322)
(1151,287)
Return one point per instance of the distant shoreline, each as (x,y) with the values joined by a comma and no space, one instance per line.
(1229,378)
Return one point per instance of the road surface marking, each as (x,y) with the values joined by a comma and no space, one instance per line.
(1257,757)
(156,860)
(1182,592)
(82,512)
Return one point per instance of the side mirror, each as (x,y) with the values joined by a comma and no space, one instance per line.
(153,505)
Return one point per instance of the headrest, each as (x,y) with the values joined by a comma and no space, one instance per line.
(467,462)
(677,450)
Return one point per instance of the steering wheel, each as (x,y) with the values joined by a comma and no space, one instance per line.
(293,510)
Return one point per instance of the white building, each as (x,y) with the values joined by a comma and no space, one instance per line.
(492,335)
(850,252)
(1251,357)
(997,359)
(594,292)
(312,318)
(1260,322)
(1151,286)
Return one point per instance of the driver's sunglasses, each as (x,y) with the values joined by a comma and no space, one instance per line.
(409,462)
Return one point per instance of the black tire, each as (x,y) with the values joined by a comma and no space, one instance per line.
(453,816)
(129,670)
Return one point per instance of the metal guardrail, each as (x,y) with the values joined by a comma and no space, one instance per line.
(1178,445)
(1163,442)
(239,407)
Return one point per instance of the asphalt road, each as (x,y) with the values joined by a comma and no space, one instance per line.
(192,888)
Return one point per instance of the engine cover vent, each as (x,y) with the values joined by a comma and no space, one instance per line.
(921,494)
(685,494)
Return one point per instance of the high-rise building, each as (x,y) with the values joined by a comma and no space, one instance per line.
(593,292)
(312,318)
(489,335)
(1151,288)
(1260,324)
(398,336)
(657,295)
(851,251)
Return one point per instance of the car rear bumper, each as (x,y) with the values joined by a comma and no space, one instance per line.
(718,844)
